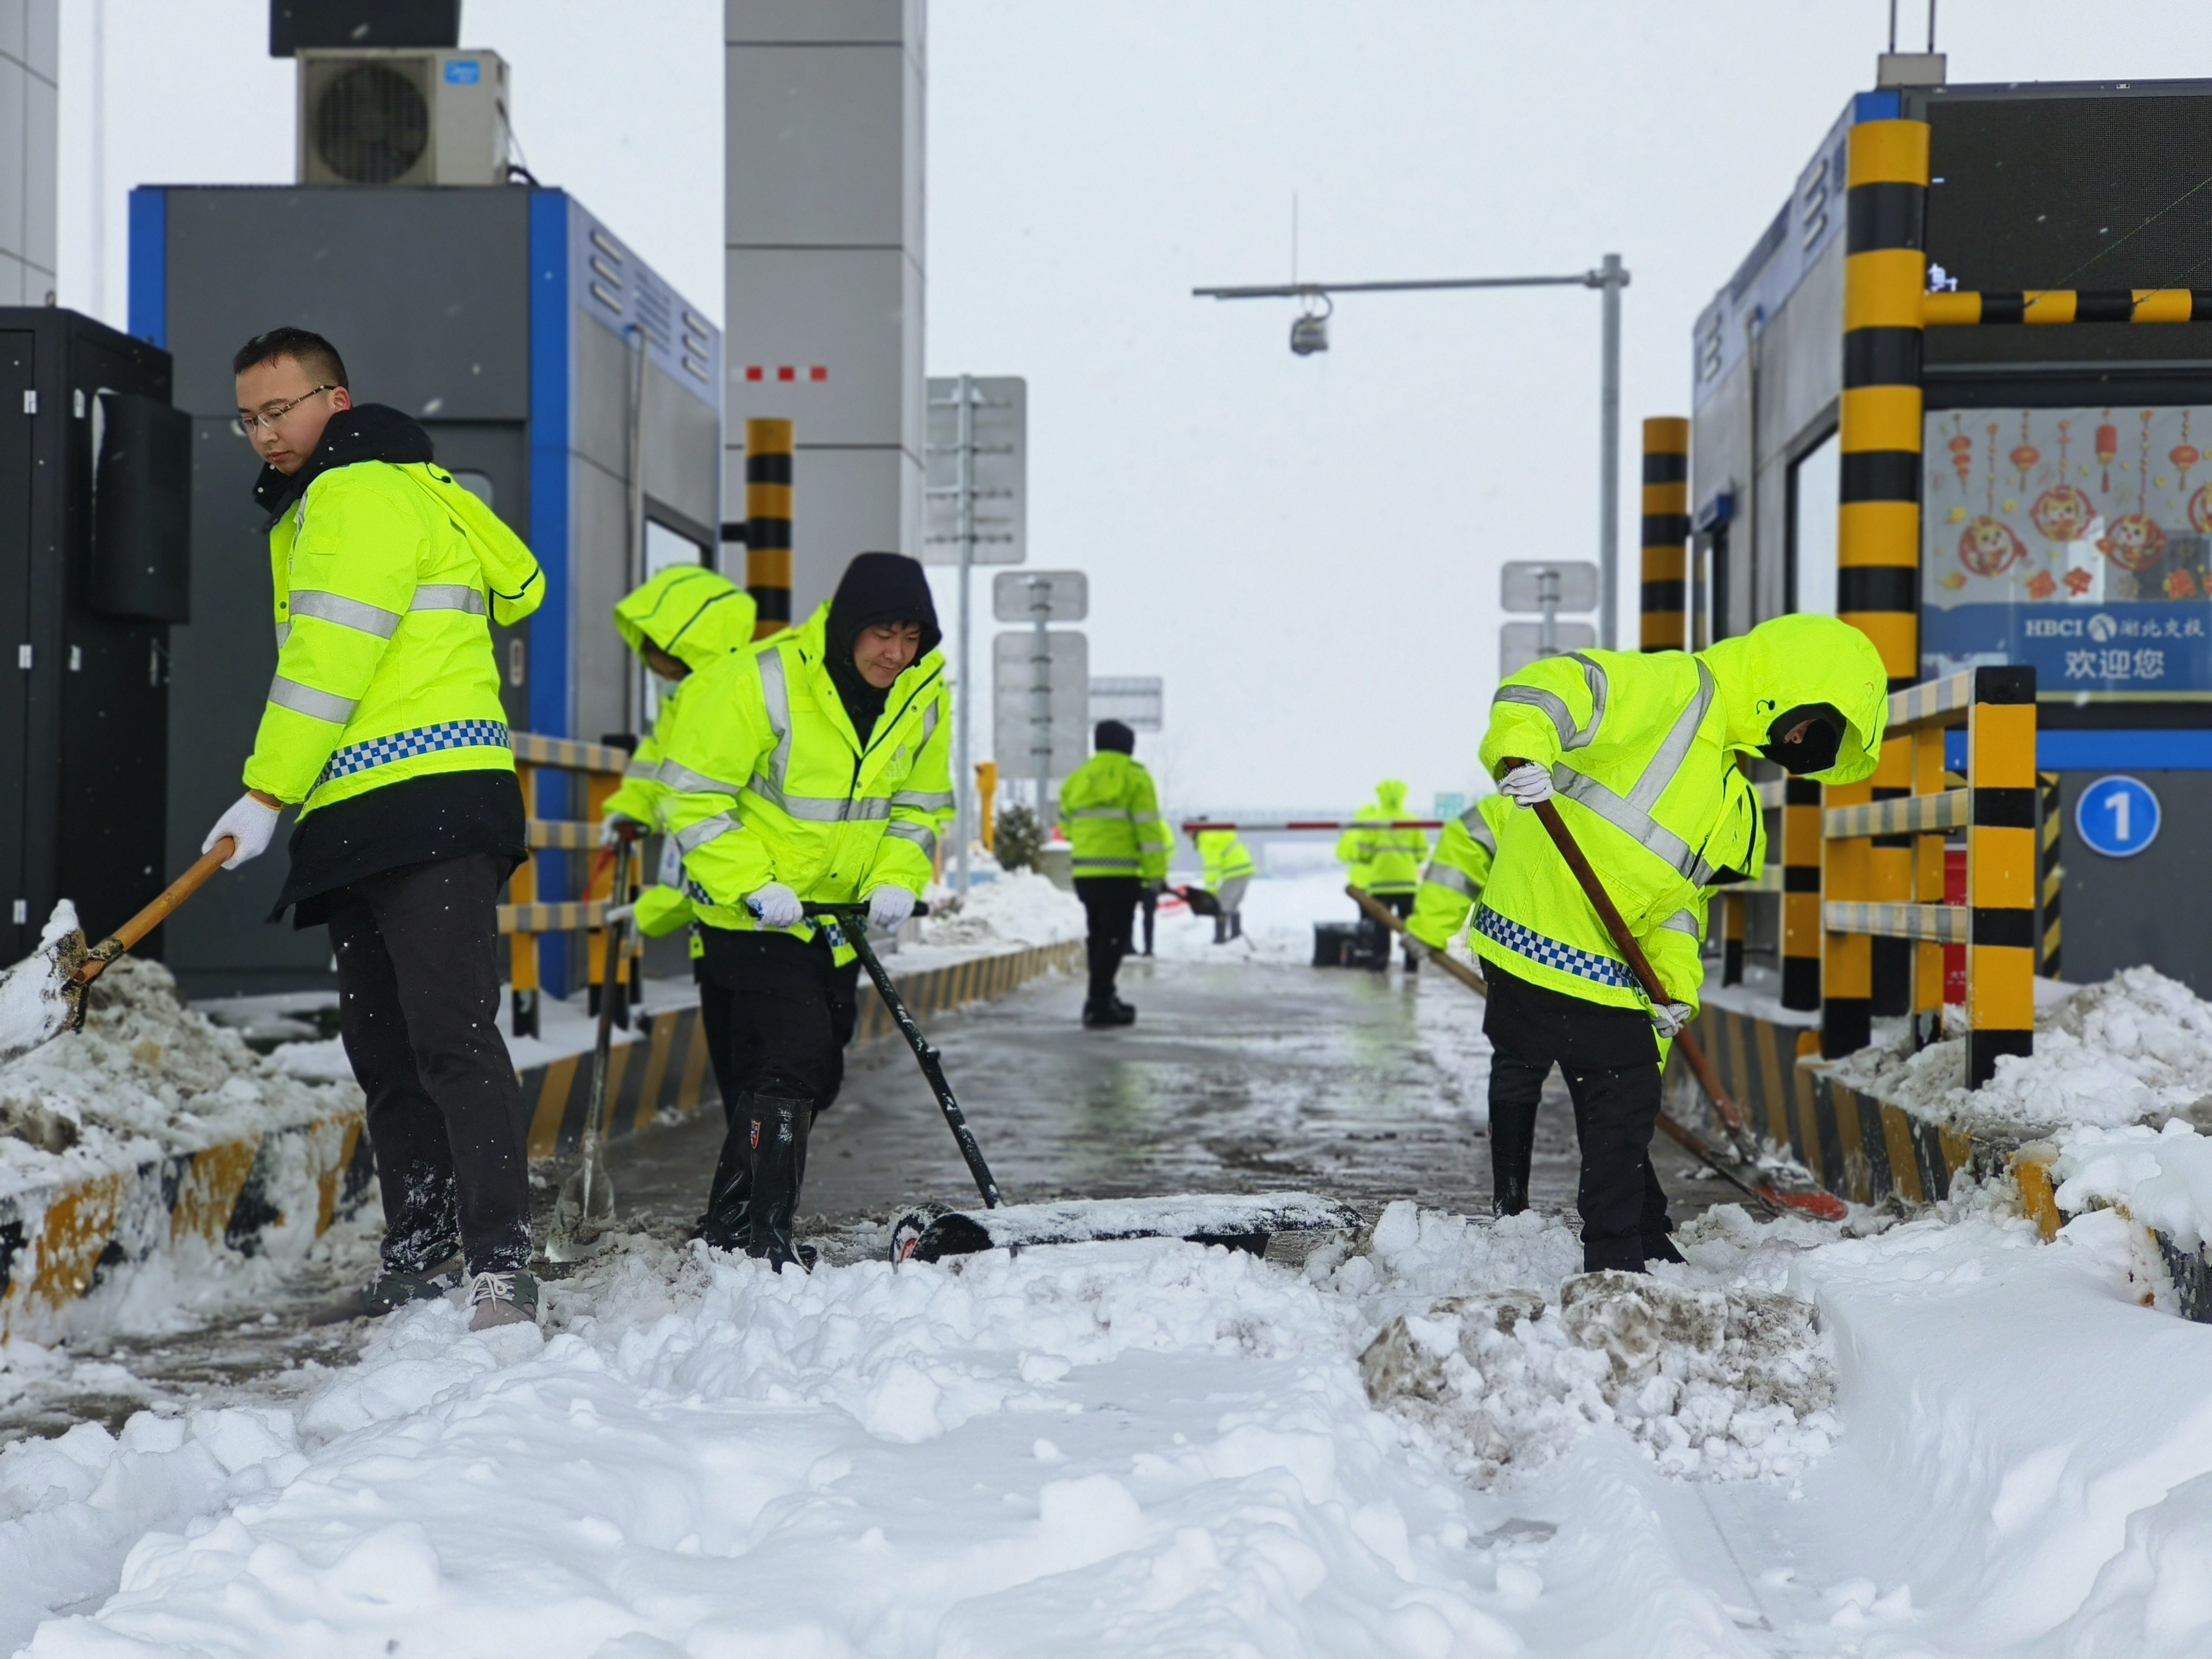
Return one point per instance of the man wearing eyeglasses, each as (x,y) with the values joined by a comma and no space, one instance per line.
(384,726)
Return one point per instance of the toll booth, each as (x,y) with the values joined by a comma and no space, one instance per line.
(2064,477)
(559,378)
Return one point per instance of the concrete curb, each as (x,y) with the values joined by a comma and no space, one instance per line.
(1871,1150)
(59,1244)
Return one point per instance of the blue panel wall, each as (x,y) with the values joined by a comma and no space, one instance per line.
(552,404)
(150,266)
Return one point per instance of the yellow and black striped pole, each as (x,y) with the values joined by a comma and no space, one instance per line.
(1885,281)
(1878,527)
(2051,878)
(1666,527)
(1928,855)
(768,524)
(2001,864)
(1801,894)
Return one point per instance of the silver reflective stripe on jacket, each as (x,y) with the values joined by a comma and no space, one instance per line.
(450,596)
(920,834)
(1478,827)
(345,612)
(1632,814)
(305,700)
(776,694)
(924,800)
(684,781)
(641,768)
(691,840)
(1103,812)
(1457,881)
(1555,706)
(818,809)
(283,632)
(1682,921)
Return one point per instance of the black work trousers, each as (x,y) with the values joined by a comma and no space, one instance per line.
(717,1013)
(1109,909)
(1610,1059)
(418,1012)
(787,1009)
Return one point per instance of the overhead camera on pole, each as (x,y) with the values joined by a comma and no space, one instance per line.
(1309,334)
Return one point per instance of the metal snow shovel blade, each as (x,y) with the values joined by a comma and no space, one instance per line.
(1740,1173)
(1203,901)
(43,995)
(1802,1197)
(586,1208)
(1240,1223)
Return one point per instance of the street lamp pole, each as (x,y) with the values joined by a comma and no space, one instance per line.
(1609,279)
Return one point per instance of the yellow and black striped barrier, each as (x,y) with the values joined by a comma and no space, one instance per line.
(1998,809)
(769,447)
(2041,306)
(1800,895)
(2052,876)
(523,919)
(1664,625)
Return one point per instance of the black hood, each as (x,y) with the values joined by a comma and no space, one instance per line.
(367,432)
(877,588)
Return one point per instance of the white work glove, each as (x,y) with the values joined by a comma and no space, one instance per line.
(1529,784)
(624,914)
(1671,1020)
(888,908)
(776,906)
(613,827)
(250,825)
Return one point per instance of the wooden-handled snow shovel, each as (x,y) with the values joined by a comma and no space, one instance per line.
(1740,1174)
(43,995)
(1811,1201)
(1235,1221)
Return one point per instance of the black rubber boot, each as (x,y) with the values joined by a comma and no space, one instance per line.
(1221,930)
(728,1223)
(1512,1135)
(778,1130)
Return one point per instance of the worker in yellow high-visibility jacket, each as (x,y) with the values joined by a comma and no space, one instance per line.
(384,726)
(1383,861)
(1229,872)
(1118,846)
(1638,752)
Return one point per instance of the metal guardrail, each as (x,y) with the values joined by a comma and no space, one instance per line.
(524,919)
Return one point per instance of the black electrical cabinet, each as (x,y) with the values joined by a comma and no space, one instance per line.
(95,514)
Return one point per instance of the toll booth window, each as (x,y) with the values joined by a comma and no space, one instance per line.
(1815,483)
(664,547)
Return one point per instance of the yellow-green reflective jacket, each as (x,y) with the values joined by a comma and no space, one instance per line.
(1110,815)
(1642,750)
(1457,871)
(1383,860)
(387,578)
(1226,857)
(769,782)
(696,615)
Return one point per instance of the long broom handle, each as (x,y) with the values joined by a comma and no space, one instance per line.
(155,913)
(1473,981)
(853,919)
(1601,901)
(595,1109)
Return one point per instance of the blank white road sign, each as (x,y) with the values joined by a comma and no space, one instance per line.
(1574,580)
(998,437)
(1013,702)
(1520,643)
(1014,594)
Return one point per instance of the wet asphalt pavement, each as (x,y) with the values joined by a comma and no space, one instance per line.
(1238,1077)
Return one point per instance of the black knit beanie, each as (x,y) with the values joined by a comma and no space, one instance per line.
(1115,736)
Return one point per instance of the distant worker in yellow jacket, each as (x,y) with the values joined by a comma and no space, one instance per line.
(384,726)
(1229,872)
(1383,861)
(1118,843)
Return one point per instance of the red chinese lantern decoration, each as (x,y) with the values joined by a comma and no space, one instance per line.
(2108,451)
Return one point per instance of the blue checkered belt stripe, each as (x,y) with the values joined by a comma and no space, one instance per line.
(406,745)
(1527,942)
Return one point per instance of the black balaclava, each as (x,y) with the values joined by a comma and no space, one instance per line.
(877,590)
(1113,736)
(367,432)
(1817,749)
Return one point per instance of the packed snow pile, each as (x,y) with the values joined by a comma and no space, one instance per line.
(2161,1178)
(31,992)
(2136,1048)
(144,1068)
(1018,908)
(1722,1382)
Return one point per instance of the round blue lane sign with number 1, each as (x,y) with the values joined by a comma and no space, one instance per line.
(2117,816)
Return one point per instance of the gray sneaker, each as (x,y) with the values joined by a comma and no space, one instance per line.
(507,1298)
(389,1291)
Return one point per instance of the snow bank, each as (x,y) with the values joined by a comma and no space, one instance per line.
(31,991)
(1278,921)
(1723,1381)
(1014,909)
(2162,1179)
(145,1074)
(2138,1046)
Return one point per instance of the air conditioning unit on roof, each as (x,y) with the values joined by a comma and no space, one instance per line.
(401,116)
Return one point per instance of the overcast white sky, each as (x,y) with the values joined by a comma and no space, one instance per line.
(1306,548)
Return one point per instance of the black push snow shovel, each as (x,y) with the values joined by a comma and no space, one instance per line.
(931,1235)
